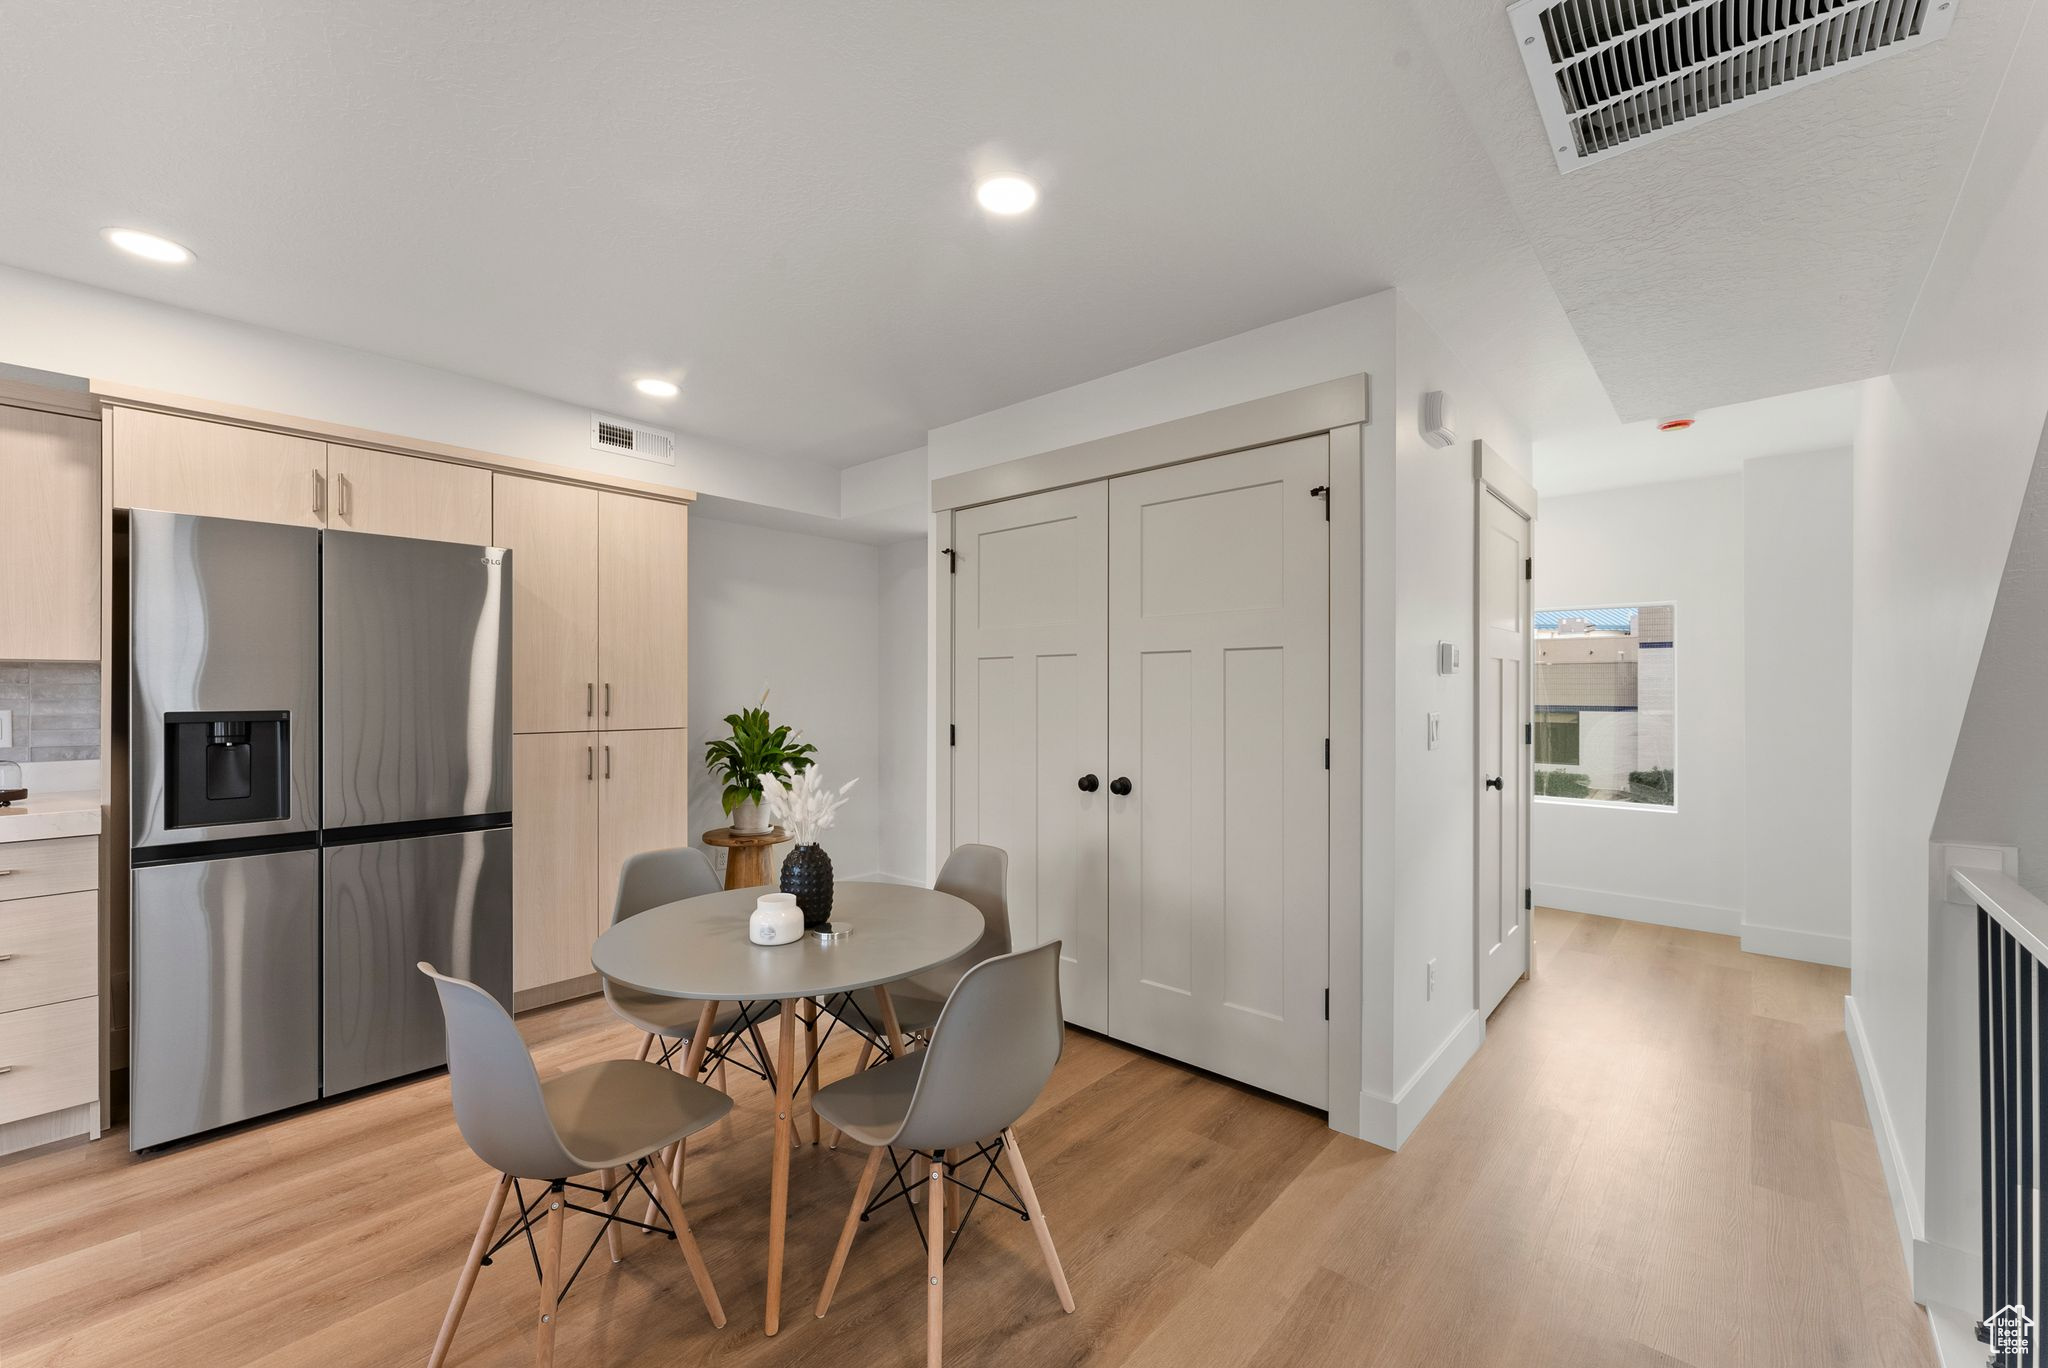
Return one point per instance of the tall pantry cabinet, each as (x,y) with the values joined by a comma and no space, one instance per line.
(600,698)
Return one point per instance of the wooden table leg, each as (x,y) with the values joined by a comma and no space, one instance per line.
(778,1173)
(693,1060)
(811,1069)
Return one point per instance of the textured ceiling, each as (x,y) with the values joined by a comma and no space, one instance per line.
(772,204)
(1773,250)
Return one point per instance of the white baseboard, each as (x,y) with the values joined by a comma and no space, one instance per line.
(1955,1339)
(1388,1122)
(1947,1277)
(1726,921)
(1897,1180)
(1815,947)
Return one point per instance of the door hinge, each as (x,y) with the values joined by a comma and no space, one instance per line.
(952,560)
(1528,900)
(1326,1004)
(1326,752)
(1322,492)
(952,734)
(1528,567)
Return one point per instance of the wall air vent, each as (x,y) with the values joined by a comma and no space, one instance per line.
(1610,75)
(631,439)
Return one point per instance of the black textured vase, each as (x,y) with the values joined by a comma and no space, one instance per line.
(807,872)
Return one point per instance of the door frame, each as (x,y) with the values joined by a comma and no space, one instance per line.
(1340,409)
(1494,478)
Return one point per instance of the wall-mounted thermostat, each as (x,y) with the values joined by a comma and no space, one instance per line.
(1446,658)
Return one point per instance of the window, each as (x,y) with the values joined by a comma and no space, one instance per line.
(1604,689)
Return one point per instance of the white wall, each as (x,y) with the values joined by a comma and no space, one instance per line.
(1796,540)
(901,735)
(800,615)
(1942,458)
(1679,543)
(56,325)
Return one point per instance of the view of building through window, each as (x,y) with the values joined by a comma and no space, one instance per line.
(1603,704)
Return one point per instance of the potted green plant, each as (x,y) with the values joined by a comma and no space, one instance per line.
(756,751)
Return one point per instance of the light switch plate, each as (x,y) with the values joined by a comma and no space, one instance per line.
(1436,729)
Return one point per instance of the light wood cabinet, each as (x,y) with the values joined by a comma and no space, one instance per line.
(554,857)
(50,468)
(50,1057)
(49,991)
(187,465)
(407,496)
(643,800)
(552,530)
(49,949)
(643,634)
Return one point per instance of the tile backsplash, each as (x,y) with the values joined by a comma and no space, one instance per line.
(56,707)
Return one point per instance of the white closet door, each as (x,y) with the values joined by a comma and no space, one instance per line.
(1030,710)
(1219,592)
(1503,937)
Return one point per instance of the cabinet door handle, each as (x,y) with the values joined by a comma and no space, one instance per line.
(343,496)
(1089,783)
(607,698)
(607,762)
(1120,786)
(5,958)
(319,493)
(590,700)
(589,763)
(6,1068)
(5,872)
(1494,782)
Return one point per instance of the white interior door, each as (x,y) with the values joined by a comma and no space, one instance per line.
(1219,591)
(1030,708)
(1503,876)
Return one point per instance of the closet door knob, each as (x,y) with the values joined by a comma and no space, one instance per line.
(1120,786)
(1494,782)
(1089,783)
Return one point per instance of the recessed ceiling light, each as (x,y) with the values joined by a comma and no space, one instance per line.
(656,389)
(1006,194)
(148,246)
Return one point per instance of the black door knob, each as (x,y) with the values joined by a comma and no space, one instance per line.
(1120,786)
(1494,782)
(1089,783)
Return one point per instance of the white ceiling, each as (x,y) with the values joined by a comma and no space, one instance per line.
(772,204)
(1618,454)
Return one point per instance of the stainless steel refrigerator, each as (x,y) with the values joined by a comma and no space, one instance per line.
(320,767)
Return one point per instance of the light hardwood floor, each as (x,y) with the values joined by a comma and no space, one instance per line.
(1660,1157)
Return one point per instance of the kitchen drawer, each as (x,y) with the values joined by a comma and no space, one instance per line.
(34,869)
(49,949)
(49,1058)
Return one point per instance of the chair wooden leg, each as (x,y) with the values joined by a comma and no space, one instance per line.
(616,1187)
(646,1047)
(550,1277)
(693,1256)
(867,1052)
(693,1064)
(811,1049)
(1038,1226)
(493,1208)
(935,1270)
(861,1191)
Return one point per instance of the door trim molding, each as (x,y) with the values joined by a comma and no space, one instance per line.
(1493,472)
(1305,412)
(1338,408)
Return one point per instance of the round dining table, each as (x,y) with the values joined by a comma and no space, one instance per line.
(698,949)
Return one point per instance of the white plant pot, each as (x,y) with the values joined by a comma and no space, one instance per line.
(750,818)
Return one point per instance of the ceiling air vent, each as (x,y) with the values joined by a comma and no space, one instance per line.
(631,439)
(1610,75)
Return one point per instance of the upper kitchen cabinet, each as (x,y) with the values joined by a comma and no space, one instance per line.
(189,465)
(50,468)
(643,605)
(552,531)
(406,496)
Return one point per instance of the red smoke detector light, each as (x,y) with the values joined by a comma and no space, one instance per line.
(1675,424)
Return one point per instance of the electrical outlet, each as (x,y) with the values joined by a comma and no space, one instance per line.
(1436,729)
(6,728)
(1430,990)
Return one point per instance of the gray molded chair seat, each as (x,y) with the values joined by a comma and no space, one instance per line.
(955,1102)
(613,1119)
(980,875)
(670,1018)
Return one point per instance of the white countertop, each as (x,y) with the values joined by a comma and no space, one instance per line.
(43,816)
